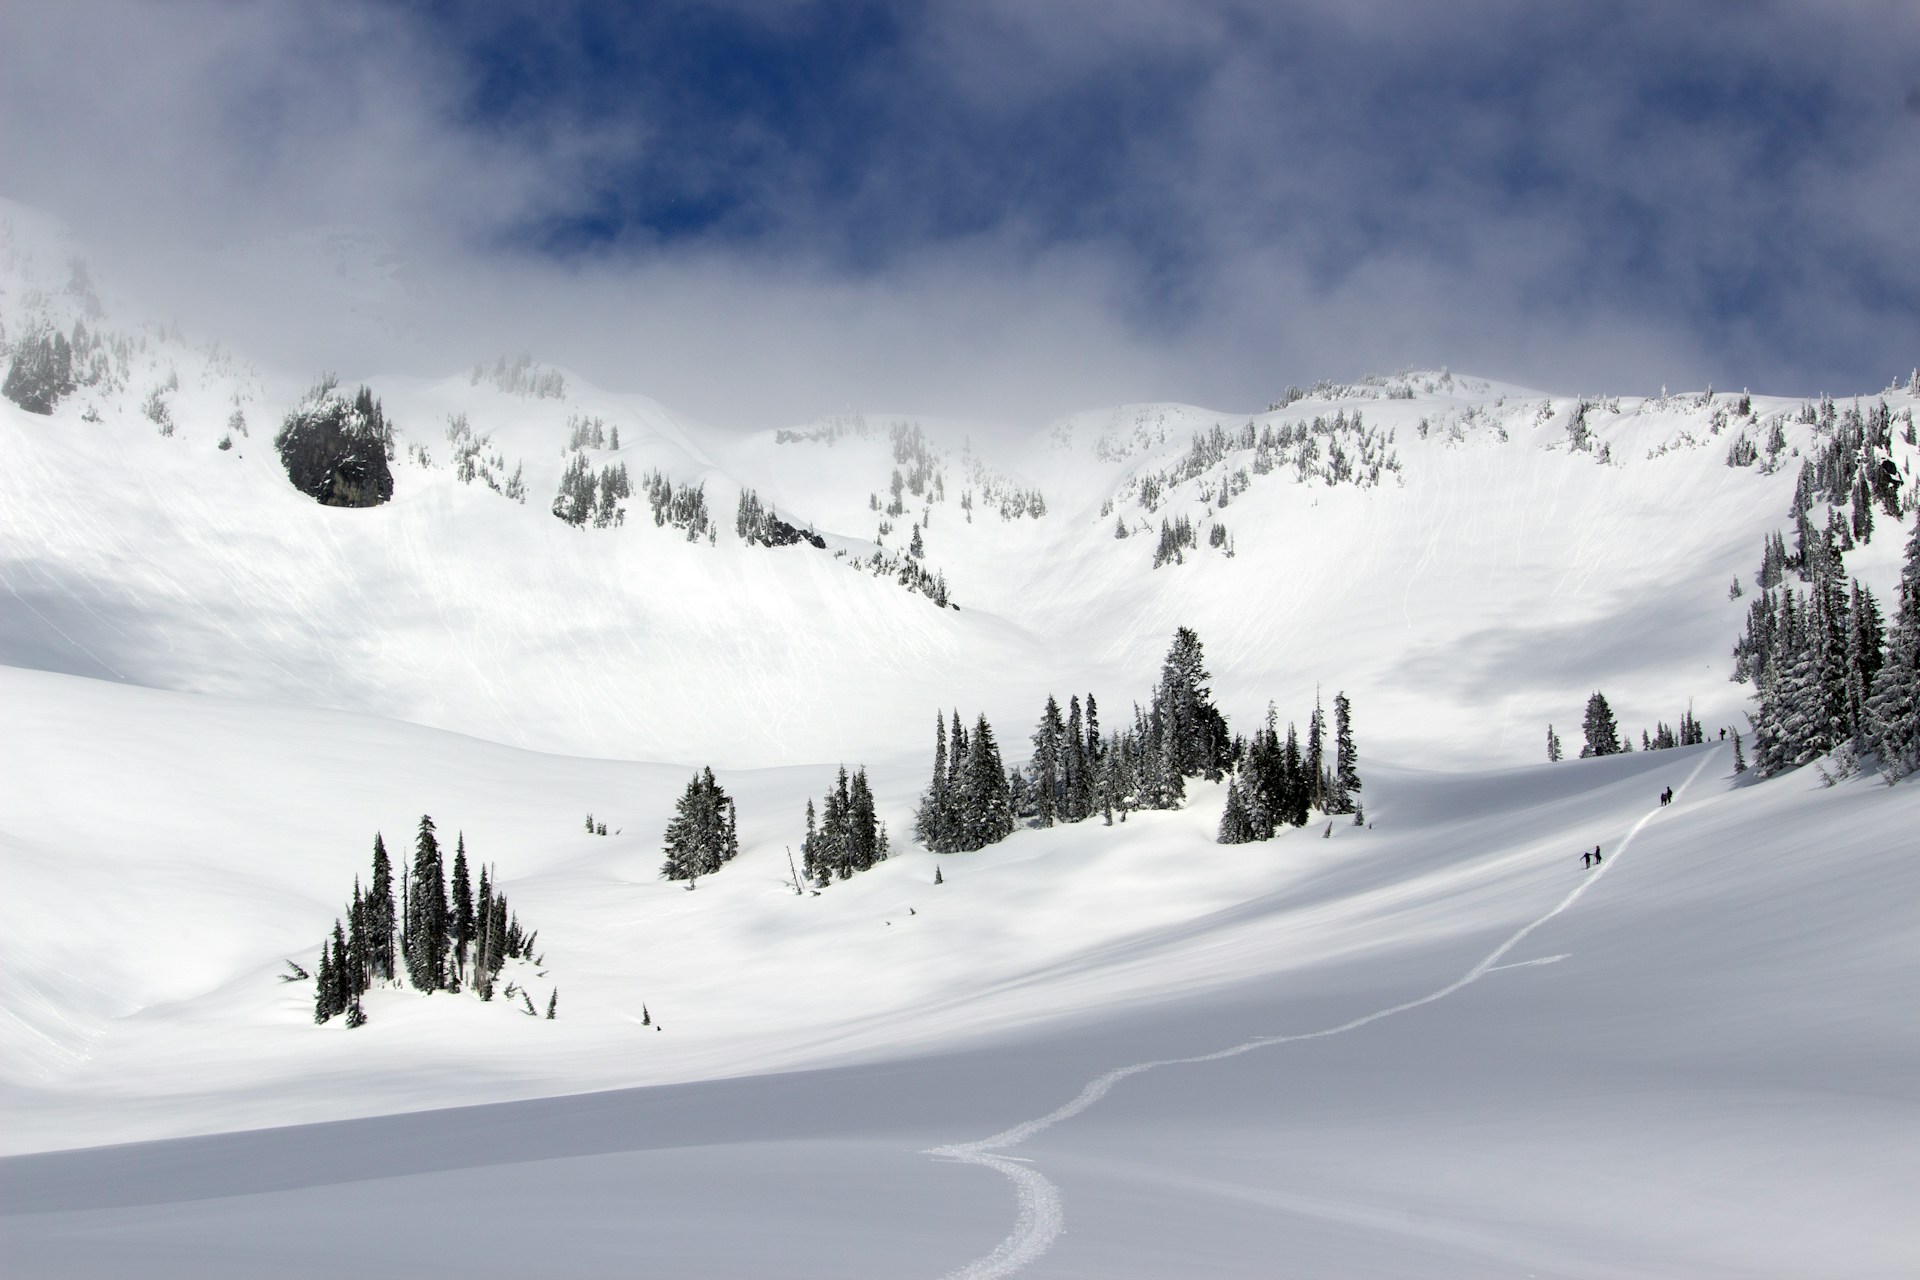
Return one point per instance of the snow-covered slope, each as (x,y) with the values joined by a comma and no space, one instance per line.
(1468,587)
(1692,1061)
(216,691)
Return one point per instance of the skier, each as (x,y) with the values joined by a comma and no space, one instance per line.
(1586,859)
(1596,855)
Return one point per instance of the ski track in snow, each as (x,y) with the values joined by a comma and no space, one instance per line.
(1040,1217)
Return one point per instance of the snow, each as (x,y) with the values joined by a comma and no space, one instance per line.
(1433,1045)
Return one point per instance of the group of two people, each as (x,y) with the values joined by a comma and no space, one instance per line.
(1593,859)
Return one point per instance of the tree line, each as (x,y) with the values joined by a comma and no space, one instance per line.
(1076,771)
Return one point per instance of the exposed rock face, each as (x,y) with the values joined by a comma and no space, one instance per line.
(335,449)
(782,534)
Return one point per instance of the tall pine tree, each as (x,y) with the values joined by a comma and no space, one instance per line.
(426,936)
(1346,761)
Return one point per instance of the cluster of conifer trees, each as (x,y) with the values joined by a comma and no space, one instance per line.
(40,374)
(909,573)
(968,805)
(702,835)
(759,524)
(846,836)
(521,376)
(440,934)
(1603,736)
(472,461)
(585,432)
(683,508)
(1075,772)
(1664,737)
(1278,780)
(1337,450)
(974,800)
(1827,671)
(587,496)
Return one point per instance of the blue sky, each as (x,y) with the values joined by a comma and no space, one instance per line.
(1014,208)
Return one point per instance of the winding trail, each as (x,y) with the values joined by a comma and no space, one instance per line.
(1040,1217)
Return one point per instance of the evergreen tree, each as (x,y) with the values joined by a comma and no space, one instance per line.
(1346,763)
(1892,712)
(869,834)
(1046,764)
(1020,795)
(956,775)
(1866,649)
(809,849)
(1553,745)
(701,837)
(930,819)
(323,984)
(985,810)
(425,941)
(1602,735)
(343,994)
(1076,783)
(1739,756)
(1234,825)
(1293,780)
(359,961)
(379,913)
(1316,756)
(462,918)
(1194,728)
(1094,744)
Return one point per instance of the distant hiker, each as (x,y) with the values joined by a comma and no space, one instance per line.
(1596,855)
(1586,859)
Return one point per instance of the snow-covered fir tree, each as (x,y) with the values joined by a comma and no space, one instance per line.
(424,940)
(701,837)
(1601,732)
(1346,762)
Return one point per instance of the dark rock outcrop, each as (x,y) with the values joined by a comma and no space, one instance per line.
(336,450)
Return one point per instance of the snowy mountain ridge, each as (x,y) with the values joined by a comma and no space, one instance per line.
(1527,485)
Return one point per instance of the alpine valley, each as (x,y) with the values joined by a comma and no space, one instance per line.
(1155,842)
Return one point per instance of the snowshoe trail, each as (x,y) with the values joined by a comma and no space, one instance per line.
(1040,1215)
